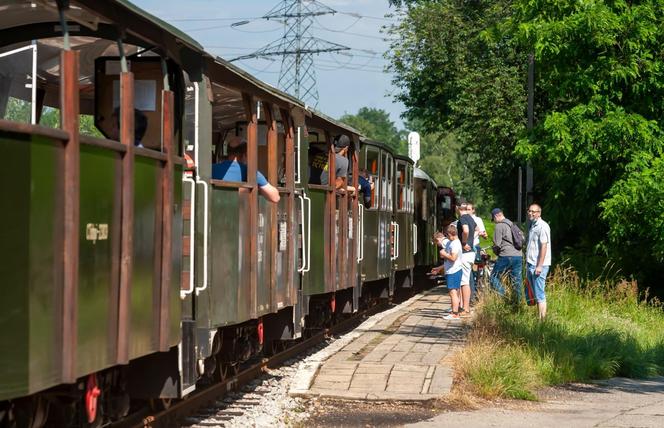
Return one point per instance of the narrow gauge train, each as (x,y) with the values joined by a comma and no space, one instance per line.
(128,272)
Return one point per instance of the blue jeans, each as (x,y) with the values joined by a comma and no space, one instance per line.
(511,265)
(473,276)
(537,281)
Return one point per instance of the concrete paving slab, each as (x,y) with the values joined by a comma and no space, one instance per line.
(399,356)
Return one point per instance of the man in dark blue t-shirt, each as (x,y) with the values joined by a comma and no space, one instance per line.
(235,169)
(466,231)
(366,187)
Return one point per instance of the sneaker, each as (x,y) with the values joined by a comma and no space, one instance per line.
(451,316)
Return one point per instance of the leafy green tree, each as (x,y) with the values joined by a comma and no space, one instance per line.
(599,84)
(443,158)
(455,75)
(376,125)
(596,146)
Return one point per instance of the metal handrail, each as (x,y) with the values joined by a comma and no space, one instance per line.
(397,239)
(415,249)
(192,232)
(302,237)
(306,198)
(205,236)
(360,235)
(298,154)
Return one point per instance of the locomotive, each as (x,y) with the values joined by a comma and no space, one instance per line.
(128,272)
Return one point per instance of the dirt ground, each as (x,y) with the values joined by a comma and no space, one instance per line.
(614,403)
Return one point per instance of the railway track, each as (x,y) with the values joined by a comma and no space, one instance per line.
(208,402)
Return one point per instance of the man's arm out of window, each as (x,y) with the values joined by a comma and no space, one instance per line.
(270,193)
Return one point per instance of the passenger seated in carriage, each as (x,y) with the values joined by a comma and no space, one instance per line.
(234,168)
(140,126)
(318,172)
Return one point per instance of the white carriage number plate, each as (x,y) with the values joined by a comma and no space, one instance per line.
(282,236)
(350,227)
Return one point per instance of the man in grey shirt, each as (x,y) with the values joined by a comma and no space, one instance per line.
(341,144)
(510,260)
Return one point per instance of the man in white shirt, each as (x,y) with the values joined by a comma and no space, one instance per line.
(538,255)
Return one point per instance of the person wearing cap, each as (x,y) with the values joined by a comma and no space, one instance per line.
(234,168)
(341,145)
(366,186)
(510,260)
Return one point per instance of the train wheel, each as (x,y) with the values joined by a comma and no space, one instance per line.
(31,413)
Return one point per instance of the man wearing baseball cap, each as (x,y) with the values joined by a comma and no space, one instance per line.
(510,260)
(341,145)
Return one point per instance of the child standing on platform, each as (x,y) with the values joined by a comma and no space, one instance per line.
(451,254)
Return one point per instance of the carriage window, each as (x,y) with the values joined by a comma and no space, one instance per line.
(383,182)
(389,172)
(148,84)
(372,162)
(402,187)
(18,92)
(410,189)
(189,119)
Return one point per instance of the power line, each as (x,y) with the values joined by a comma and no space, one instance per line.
(297,47)
(251,18)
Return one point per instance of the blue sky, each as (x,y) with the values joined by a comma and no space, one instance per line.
(345,82)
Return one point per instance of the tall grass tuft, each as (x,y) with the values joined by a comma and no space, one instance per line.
(594,330)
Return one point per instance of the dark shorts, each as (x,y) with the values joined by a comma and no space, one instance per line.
(454,280)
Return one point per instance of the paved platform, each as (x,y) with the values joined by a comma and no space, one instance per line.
(404,354)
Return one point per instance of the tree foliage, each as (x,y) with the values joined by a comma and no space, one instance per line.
(599,105)
(376,124)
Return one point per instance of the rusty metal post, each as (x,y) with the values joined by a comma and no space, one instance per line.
(252,167)
(167,182)
(69,99)
(290,203)
(127,240)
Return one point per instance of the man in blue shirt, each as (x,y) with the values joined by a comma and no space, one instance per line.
(366,187)
(234,168)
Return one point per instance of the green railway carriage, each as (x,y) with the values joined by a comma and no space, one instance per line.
(91,234)
(330,267)
(403,229)
(377,220)
(425,191)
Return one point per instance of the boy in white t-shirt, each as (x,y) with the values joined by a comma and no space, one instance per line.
(451,255)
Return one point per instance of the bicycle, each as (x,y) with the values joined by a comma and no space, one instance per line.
(484,269)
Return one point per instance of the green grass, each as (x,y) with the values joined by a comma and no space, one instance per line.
(488,242)
(594,330)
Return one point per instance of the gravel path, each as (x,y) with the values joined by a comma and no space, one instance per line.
(264,402)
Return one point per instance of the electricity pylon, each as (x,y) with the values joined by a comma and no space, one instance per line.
(297,47)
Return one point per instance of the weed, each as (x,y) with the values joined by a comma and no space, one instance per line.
(595,329)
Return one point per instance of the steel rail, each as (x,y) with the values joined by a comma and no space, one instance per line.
(208,396)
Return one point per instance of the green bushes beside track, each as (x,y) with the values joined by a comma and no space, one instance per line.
(594,330)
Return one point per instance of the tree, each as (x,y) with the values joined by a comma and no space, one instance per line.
(443,158)
(599,134)
(455,76)
(376,125)
(600,84)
